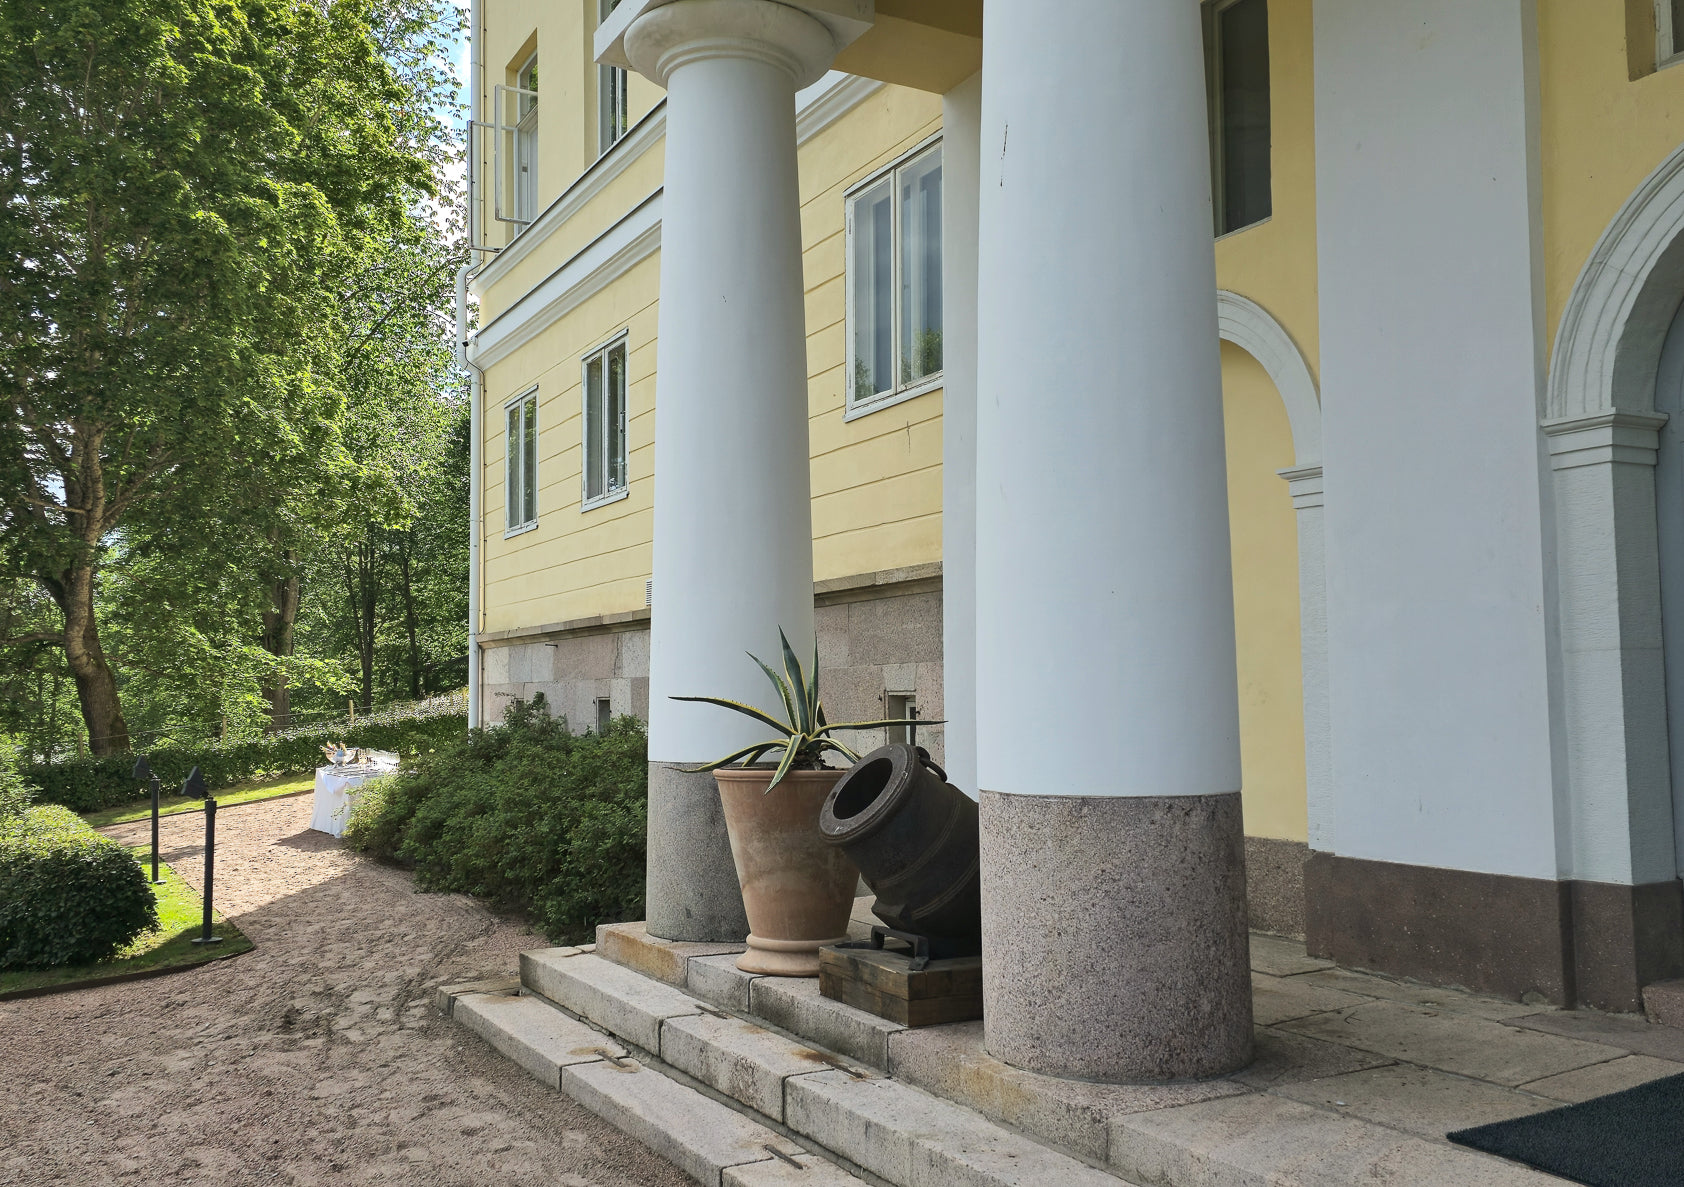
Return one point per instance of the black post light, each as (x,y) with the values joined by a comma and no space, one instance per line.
(143,774)
(194,788)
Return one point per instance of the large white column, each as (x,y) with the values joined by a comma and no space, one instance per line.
(961,115)
(1107,722)
(733,558)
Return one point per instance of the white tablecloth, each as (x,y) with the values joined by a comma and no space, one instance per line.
(333,799)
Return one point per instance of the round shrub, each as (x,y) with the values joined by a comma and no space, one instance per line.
(67,894)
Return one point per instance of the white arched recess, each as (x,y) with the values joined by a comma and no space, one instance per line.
(1250,327)
(1603,431)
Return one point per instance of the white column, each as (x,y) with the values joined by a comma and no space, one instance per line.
(1107,720)
(733,555)
(961,115)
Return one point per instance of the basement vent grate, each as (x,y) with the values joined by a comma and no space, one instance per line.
(649,592)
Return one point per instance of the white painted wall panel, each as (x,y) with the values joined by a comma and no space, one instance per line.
(1438,632)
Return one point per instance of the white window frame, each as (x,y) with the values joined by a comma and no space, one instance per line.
(611,95)
(1212,9)
(510,125)
(1667,50)
(898,394)
(509,476)
(610,494)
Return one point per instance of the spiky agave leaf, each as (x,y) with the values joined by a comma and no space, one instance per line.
(816,716)
(792,666)
(790,751)
(782,685)
(759,715)
(749,754)
(872,725)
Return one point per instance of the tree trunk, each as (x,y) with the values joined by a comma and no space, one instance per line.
(278,623)
(96,684)
(362,588)
(404,569)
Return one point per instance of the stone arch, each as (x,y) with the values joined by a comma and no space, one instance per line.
(1249,326)
(1608,346)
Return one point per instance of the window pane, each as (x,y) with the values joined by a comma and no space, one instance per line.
(615,416)
(511,472)
(594,467)
(529,464)
(1243,63)
(920,264)
(1677,28)
(873,250)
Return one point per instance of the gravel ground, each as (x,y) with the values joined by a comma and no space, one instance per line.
(316,1058)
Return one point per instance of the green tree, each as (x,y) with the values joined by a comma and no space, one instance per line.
(190,186)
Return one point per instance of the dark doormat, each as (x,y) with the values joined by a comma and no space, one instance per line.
(1633,1138)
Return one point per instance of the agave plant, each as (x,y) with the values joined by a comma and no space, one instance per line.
(806,735)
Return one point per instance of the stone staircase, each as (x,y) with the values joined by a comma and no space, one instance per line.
(746,1080)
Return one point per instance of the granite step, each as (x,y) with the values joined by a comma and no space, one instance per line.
(745,1034)
(712,1142)
(832,1104)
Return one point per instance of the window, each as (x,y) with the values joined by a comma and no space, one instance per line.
(605,424)
(515,148)
(902,705)
(894,282)
(604,714)
(521,473)
(1669,31)
(610,96)
(1237,78)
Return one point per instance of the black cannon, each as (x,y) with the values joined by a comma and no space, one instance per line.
(913,836)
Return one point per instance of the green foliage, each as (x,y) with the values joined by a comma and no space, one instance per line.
(805,736)
(15,793)
(525,814)
(67,894)
(89,784)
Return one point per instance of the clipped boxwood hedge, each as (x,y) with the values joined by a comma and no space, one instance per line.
(67,894)
(89,784)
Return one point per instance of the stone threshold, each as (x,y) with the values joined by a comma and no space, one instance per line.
(1357,1077)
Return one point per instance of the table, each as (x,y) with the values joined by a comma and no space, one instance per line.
(333,794)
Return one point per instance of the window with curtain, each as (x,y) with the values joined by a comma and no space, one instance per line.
(894,281)
(605,424)
(1237,80)
(521,473)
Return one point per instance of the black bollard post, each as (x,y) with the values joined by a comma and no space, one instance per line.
(143,773)
(195,787)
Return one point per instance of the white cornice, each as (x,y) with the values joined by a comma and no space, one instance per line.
(828,100)
(599,263)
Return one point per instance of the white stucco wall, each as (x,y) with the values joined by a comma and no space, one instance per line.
(1430,277)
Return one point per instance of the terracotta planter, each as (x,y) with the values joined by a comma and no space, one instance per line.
(798,890)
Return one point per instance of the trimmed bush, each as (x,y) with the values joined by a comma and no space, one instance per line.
(67,894)
(525,814)
(89,784)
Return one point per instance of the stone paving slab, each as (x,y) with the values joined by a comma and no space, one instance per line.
(1281,999)
(533,1033)
(1627,1033)
(1281,1057)
(795,1004)
(1456,1043)
(695,1132)
(1417,1100)
(1267,1141)
(617,999)
(1282,958)
(1413,993)
(1600,1079)
(631,945)
(746,1062)
(951,1062)
(918,1140)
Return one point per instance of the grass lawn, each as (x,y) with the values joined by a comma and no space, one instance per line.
(170,805)
(171,947)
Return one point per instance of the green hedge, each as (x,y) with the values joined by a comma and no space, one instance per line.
(89,784)
(525,814)
(67,894)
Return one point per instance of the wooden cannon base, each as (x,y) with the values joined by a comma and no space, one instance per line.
(884,983)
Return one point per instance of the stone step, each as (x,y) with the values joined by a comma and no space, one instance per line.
(1217,1133)
(1664,1002)
(712,1142)
(904,1136)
